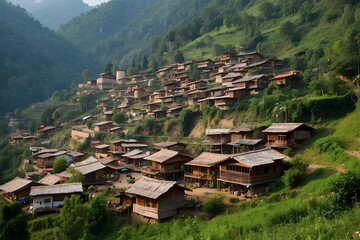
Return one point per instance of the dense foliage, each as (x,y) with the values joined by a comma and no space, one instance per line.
(35,61)
(13,222)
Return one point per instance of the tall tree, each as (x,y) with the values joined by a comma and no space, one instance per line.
(13,223)
(73,218)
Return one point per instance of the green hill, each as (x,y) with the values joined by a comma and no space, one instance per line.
(35,61)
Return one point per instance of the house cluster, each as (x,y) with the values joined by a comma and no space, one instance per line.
(220,83)
(243,160)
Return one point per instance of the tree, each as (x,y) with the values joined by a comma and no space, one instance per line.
(215,206)
(60,165)
(86,74)
(86,101)
(295,174)
(97,215)
(119,117)
(266,10)
(108,68)
(77,176)
(287,31)
(73,218)
(356,80)
(179,56)
(194,72)
(144,62)
(13,222)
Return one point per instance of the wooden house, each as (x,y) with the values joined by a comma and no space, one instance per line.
(116,145)
(171,99)
(204,169)
(174,111)
(285,135)
(251,172)
(93,170)
(166,164)
(217,140)
(152,106)
(175,146)
(50,179)
(228,57)
(246,144)
(18,189)
(216,91)
(16,139)
(51,198)
(159,113)
(292,78)
(197,85)
(253,84)
(105,81)
(195,96)
(225,102)
(128,147)
(244,131)
(46,131)
(103,126)
(205,65)
(46,160)
(157,199)
(128,159)
(231,76)
(102,150)
(155,96)
(250,57)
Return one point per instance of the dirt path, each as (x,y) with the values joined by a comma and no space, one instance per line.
(312,167)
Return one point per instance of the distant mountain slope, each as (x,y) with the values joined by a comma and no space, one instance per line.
(120,27)
(34,61)
(53,13)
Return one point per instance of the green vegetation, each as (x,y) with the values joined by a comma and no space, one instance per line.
(13,222)
(60,165)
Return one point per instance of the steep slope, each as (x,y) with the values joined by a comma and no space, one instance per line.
(120,27)
(35,61)
(53,13)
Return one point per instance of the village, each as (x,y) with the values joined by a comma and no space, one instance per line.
(244,160)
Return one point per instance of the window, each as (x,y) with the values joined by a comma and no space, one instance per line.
(48,200)
(274,168)
(148,202)
(266,170)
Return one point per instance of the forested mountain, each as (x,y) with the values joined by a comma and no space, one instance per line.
(34,61)
(123,32)
(53,13)
(122,29)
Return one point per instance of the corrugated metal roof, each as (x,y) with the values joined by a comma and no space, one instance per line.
(259,157)
(207,159)
(246,142)
(244,127)
(284,127)
(217,131)
(49,179)
(162,155)
(89,165)
(130,145)
(15,184)
(57,189)
(132,153)
(150,188)
(102,123)
(124,141)
(102,146)
(140,156)
(166,144)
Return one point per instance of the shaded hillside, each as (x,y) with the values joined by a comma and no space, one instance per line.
(53,13)
(35,61)
(121,29)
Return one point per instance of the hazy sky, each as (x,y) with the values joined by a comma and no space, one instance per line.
(94,2)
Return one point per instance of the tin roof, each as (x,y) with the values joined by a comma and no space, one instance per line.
(217,131)
(151,188)
(207,159)
(15,184)
(246,142)
(132,153)
(102,123)
(259,157)
(132,145)
(102,146)
(89,165)
(244,127)
(284,127)
(49,179)
(162,155)
(57,189)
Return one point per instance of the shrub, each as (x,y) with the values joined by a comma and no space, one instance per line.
(295,174)
(347,190)
(234,200)
(215,206)
(60,165)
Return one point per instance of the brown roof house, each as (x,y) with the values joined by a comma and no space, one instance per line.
(165,164)
(252,172)
(217,140)
(105,81)
(175,146)
(204,169)
(157,199)
(285,135)
(51,198)
(17,189)
(103,126)
(292,78)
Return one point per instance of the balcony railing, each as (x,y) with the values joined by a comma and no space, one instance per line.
(278,144)
(203,176)
(246,179)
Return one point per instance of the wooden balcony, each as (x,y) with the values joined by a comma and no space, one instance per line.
(146,211)
(246,179)
(278,144)
(201,176)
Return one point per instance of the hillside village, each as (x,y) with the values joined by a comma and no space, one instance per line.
(244,160)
